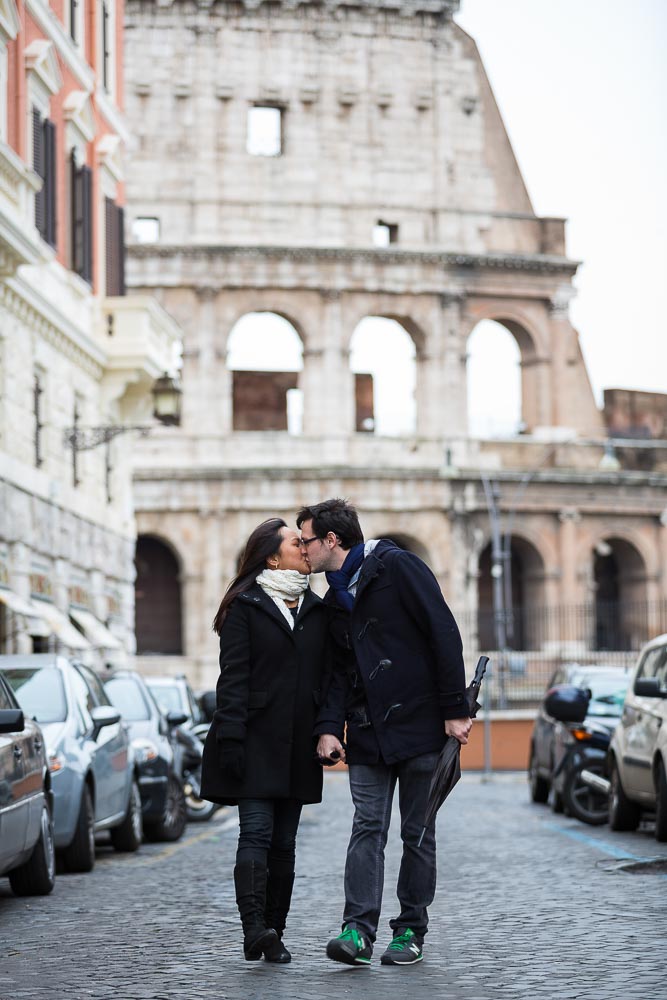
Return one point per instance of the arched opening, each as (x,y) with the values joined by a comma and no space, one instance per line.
(619,577)
(157,599)
(383,360)
(265,356)
(408,543)
(522,597)
(493,371)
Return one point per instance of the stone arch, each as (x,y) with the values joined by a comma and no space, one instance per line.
(535,405)
(409,543)
(523,590)
(158,599)
(264,353)
(383,358)
(620,588)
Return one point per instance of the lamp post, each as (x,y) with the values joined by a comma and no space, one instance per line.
(166,410)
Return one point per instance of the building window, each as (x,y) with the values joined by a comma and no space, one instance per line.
(146,229)
(265,131)
(44,164)
(107,19)
(384,233)
(114,241)
(38,392)
(82,219)
(76,21)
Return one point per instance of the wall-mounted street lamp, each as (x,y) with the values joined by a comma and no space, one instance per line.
(167,396)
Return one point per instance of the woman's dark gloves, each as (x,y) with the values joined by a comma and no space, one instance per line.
(232,757)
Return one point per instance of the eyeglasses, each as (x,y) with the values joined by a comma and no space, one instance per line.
(307,541)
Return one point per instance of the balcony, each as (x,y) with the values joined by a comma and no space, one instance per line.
(19,239)
(140,340)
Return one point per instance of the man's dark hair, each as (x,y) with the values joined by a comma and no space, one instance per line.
(335,515)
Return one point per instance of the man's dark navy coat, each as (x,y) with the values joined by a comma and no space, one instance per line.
(399,666)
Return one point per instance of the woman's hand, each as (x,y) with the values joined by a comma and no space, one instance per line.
(232,757)
(328,745)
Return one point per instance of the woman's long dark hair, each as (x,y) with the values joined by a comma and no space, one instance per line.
(264,542)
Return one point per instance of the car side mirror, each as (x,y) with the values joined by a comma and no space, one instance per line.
(103,715)
(12,720)
(649,687)
(567,703)
(176,718)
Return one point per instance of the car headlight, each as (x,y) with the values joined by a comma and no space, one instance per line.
(56,761)
(144,751)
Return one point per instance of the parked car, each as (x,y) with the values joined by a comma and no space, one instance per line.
(637,759)
(160,754)
(175,694)
(27,850)
(551,740)
(93,773)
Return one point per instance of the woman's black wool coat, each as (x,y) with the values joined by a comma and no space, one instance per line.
(268,693)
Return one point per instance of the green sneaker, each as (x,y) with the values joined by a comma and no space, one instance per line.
(403,950)
(350,947)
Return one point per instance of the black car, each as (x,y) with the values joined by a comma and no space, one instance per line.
(27,849)
(159,753)
(551,739)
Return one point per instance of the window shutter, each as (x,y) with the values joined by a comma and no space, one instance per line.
(38,167)
(87,204)
(115,248)
(50,182)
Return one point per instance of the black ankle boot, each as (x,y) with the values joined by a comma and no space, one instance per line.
(279,887)
(250,883)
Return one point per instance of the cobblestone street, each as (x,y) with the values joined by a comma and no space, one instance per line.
(529,905)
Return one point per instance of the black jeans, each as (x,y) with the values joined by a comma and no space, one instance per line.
(267,831)
(372,787)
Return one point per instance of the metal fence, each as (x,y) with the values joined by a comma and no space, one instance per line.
(540,639)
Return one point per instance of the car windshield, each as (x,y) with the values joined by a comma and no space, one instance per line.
(40,692)
(608,695)
(168,697)
(126,695)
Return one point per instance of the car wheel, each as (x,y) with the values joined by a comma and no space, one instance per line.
(539,786)
(174,816)
(80,855)
(198,810)
(623,813)
(130,833)
(37,876)
(582,801)
(661,804)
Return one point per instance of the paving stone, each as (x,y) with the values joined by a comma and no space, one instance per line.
(522,911)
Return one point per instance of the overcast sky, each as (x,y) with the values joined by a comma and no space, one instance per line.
(582,87)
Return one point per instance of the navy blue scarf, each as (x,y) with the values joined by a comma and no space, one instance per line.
(339,580)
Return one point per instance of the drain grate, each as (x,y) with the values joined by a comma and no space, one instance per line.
(651,866)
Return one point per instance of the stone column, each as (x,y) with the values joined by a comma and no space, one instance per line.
(573,626)
(441,373)
(326,380)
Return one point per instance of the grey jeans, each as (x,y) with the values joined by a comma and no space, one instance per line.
(372,787)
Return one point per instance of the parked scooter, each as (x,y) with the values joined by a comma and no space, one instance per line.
(198,809)
(584,797)
(580,773)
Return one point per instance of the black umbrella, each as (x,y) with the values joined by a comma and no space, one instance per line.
(447,770)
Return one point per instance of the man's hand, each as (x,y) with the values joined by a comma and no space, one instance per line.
(328,744)
(459,728)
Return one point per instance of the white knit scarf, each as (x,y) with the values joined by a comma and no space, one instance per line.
(284,585)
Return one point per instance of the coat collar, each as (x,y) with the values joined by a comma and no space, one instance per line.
(256,596)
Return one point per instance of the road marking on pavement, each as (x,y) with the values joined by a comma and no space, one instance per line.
(600,845)
(168,852)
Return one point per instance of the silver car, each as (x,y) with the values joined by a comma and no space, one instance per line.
(27,853)
(637,760)
(92,768)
